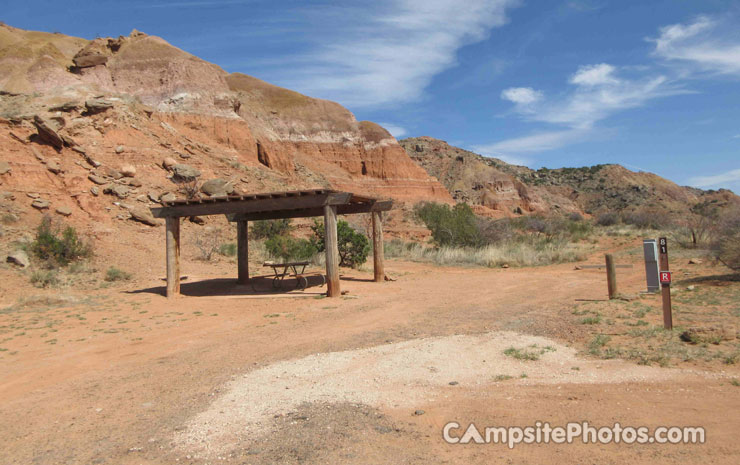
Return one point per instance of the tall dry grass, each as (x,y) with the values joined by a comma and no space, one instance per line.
(519,253)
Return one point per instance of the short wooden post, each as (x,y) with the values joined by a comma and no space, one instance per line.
(611,276)
(173,256)
(242,250)
(332,251)
(378,252)
(665,287)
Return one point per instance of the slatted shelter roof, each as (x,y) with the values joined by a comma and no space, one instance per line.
(273,205)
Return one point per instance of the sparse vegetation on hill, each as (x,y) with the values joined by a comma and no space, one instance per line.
(500,189)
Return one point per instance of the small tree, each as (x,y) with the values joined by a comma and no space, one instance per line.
(456,226)
(354,247)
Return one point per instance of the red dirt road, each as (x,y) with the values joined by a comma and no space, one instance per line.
(127,371)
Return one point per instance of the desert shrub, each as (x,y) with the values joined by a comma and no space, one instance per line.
(456,226)
(114,274)
(648,218)
(289,248)
(607,219)
(266,229)
(207,242)
(228,249)
(575,216)
(354,247)
(495,231)
(726,245)
(190,189)
(57,245)
(698,226)
(8,218)
(45,278)
(552,228)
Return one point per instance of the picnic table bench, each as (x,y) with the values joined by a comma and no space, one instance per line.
(292,270)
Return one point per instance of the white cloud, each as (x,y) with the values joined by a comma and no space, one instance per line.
(521,95)
(536,142)
(717,180)
(702,44)
(391,54)
(395,130)
(597,93)
(594,75)
(587,104)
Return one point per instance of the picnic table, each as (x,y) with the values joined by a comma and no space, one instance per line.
(290,269)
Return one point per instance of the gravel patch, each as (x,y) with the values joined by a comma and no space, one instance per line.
(396,375)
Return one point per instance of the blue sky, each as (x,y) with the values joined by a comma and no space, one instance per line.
(650,84)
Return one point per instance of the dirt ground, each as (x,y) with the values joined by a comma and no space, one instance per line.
(122,375)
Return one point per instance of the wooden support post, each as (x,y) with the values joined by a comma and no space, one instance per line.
(611,276)
(378,252)
(332,251)
(665,288)
(242,250)
(173,256)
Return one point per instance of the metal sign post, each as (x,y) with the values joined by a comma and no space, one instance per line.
(650,250)
(665,283)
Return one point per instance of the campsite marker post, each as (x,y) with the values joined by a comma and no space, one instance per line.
(665,283)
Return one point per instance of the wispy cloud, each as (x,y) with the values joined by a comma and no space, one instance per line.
(704,44)
(718,180)
(389,55)
(532,143)
(596,92)
(594,75)
(395,130)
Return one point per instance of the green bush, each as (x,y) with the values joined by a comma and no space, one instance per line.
(59,246)
(289,248)
(227,250)
(267,229)
(353,246)
(456,226)
(114,274)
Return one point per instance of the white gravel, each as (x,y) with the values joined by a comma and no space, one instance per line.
(404,374)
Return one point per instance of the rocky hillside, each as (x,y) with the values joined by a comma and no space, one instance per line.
(496,188)
(85,123)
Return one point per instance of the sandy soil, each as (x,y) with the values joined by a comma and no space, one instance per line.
(131,377)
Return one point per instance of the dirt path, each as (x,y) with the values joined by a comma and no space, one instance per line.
(126,396)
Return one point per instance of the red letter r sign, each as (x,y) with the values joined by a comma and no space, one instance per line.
(665,277)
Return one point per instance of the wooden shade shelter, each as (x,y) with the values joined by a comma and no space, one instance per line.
(241,209)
